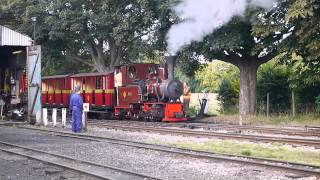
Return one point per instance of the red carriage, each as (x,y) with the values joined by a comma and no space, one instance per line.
(97,88)
(56,90)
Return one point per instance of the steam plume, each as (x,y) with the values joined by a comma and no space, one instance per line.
(202,17)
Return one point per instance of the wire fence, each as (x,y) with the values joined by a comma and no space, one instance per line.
(280,109)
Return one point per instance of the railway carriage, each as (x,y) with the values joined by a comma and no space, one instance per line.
(143,91)
(97,89)
(56,90)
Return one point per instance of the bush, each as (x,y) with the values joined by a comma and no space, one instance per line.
(273,79)
(228,97)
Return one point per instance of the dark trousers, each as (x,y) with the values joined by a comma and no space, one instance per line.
(76,120)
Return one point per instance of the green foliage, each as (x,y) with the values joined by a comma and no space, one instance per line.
(273,79)
(97,34)
(228,97)
(212,75)
(222,78)
(298,21)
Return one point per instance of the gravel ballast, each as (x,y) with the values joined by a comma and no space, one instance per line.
(150,162)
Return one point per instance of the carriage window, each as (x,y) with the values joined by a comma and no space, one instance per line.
(99,83)
(132,72)
(152,70)
(83,83)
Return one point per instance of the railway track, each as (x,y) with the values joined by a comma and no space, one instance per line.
(304,169)
(285,131)
(84,167)
(295,131)
(211,134)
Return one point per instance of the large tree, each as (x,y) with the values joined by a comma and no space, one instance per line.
(98,34)
(235,43)
(298,22)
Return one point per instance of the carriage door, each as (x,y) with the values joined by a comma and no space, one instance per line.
(34,82)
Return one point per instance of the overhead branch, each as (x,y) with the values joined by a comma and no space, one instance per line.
(232,58)
(80,60)
(73,56)
(267,57)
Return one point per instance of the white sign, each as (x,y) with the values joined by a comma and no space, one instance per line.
(86,107)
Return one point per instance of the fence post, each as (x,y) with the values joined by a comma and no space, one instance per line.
(268,98)
(64,117)
(84,120)
(54,117)
(45,116)
(38,117)
(293,104)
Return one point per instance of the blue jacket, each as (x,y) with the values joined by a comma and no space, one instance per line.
(76,102)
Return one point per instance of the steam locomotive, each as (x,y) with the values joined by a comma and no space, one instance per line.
(135,91)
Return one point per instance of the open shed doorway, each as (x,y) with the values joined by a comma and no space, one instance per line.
(12,77)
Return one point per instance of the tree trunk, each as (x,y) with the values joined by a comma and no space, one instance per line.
(99,64)
(248,82)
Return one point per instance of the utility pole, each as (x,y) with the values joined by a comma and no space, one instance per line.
(34,20)
(268,103)
(293,104)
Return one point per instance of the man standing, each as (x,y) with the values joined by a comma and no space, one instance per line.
(76,105)
(186,97)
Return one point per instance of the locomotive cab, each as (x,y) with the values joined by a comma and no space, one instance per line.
(148,91)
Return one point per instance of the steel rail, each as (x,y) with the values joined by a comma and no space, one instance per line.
(307,131)
(300,141)
(118,173)
(284,131)
(296,132)
(8,123)
(263,162)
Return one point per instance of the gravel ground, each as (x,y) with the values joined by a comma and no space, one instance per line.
(21,168)
(154,163)
(171,139)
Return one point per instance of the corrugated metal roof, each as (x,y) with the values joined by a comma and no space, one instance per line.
(56,76)
(91,74)
(9,37)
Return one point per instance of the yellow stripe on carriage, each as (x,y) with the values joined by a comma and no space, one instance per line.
(88,91)
(66,91)
(98,91)
(109,91)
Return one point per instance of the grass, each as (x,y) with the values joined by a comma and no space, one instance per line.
(272,151)
(283,120)
(288,120)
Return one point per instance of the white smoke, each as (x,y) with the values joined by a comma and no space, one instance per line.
(202,17)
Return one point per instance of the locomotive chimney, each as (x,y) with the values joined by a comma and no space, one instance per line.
(171,61)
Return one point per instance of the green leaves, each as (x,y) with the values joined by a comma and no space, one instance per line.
(212,75)
(98,33)
(300,9)
(298,21)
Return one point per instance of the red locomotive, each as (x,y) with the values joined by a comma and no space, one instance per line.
(135,91)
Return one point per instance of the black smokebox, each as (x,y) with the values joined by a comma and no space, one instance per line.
(170,62)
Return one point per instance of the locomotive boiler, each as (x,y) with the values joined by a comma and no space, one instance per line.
(148,91)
